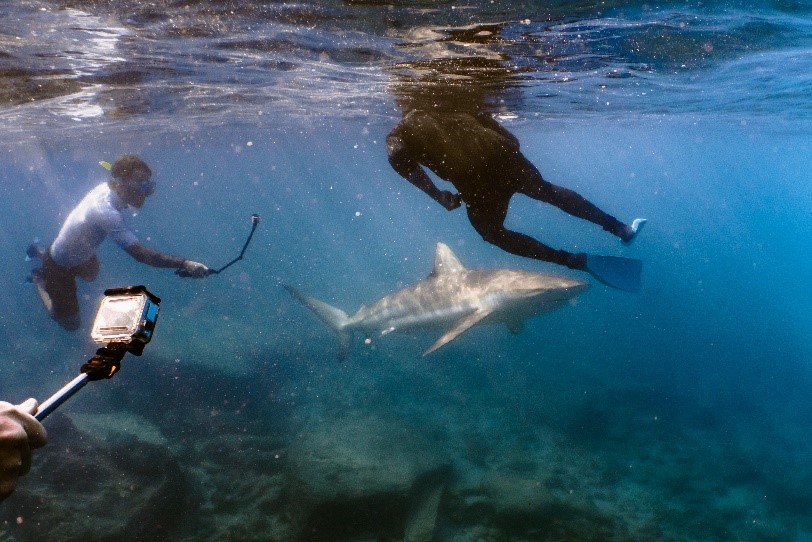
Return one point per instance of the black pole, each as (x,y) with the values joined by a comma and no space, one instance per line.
(254,222)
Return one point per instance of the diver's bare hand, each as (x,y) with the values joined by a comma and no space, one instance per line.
(449,201)
(20,433)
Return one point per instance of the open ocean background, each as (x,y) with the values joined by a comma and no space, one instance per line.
(682,412)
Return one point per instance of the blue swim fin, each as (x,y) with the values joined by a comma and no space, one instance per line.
(620,273)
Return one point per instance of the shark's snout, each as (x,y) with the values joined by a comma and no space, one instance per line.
(552,289)
(576,286)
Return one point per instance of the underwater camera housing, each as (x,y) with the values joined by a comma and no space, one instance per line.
(126,316)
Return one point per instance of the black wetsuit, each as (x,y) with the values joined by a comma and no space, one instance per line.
(482,160)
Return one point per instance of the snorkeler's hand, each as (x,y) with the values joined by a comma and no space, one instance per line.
(193,269)
(20,432)
(448,200)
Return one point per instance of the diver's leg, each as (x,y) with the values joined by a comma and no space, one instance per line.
(488,221)
(569,201)
(88,270)
(66,306)
(57,289)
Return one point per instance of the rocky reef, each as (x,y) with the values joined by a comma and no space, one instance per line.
(379,450)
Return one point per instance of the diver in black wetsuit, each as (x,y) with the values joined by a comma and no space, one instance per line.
(483,162)
(446,128)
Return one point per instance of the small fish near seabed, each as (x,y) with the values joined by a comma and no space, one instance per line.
(452,297)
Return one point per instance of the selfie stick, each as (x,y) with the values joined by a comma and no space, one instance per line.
(104,364)
(53,402)
(254,222)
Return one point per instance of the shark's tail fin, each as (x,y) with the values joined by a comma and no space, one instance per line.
(332,316)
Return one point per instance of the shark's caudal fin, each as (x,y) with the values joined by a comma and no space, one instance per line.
(332,316)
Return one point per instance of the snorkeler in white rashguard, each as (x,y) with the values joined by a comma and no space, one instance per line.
(73,253)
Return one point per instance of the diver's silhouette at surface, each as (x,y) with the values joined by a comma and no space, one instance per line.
(466,146)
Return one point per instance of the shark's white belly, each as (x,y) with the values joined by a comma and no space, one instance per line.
(423,306)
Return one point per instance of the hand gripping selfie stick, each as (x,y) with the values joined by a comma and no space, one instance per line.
(125,323)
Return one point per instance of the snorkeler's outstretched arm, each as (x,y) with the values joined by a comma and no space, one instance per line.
(402,161)
(185,268)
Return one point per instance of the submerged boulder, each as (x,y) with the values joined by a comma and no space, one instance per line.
(366,475)
(530,501)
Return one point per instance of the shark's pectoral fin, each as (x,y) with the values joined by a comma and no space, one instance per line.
(463,324)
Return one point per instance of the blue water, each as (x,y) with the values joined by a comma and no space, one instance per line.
(678,413)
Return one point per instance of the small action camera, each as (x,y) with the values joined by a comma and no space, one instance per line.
(128,316)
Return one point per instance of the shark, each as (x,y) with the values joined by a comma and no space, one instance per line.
(453,298)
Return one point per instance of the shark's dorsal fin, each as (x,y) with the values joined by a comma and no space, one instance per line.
(459,327)
(445,261)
